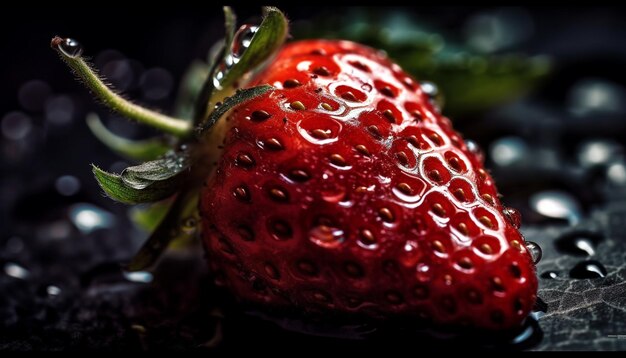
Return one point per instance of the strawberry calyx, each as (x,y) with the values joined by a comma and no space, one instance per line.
(194,142)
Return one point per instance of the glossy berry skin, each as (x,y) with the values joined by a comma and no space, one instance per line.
(346,192)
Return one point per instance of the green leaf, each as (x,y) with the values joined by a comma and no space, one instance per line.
(148,182)
(181,221)
(239,97)
(135,150)
(269,37)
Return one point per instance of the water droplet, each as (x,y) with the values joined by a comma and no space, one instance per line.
(595,96)
(67,185)
(530,334)
(534,250)
(578,243)
(513,216)
(242,39)
(430,89)
(138,276)
(16,125)
(557,204)
(71,48)
(190,226)
(87,217)
(53,291)
(550,275)
(423,272)
(16,271)
(588,269)
(508,151)
(326,236)
(475,149)
(33,94)
(366,87)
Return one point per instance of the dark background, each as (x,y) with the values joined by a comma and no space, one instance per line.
(99,308)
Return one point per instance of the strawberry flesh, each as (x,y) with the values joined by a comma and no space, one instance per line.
(346,192)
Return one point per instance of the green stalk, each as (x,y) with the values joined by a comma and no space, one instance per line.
(73,58)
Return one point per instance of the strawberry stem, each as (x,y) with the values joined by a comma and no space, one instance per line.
(71,55)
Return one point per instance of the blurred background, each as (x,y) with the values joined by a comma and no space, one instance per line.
(541,91)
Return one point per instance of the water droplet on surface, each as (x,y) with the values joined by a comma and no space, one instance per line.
(242,39)
(67,185)
(16,125)
(534,250)
(513,216)
(475,149)
(16,271)
(588,269)
(138,276)
(580,243)
(33,94)
(87,217)
(71,48)
(326,236)
(508,151)
(550,275)
(557,204)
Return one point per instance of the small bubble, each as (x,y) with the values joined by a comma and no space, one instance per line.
(16,125)
(534,250)
(475,149)
(71,48)
(550,275)
(67,185)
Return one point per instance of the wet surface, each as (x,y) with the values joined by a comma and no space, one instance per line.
(557,156)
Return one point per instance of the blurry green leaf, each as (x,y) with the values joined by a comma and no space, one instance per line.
(469,81)
(181,221)
(135,150)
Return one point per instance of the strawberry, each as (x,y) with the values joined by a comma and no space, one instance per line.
(328,184)
(345,191)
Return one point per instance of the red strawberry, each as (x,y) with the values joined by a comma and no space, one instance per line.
(345,191)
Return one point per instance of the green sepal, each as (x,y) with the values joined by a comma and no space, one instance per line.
(139,150)
(239,97)
(269,37)
(148,182)
(181,221)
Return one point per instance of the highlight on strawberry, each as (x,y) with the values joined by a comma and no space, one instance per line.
(323,180)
